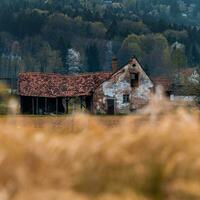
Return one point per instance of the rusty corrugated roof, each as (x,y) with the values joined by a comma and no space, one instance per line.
(56,85)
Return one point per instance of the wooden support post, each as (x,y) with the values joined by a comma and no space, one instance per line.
(56,106)
(21,104)
(45,101)
(67,105)
(81,99)
(91,108)
(33,106)
(37,106)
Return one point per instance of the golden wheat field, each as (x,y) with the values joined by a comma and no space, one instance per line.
(151,156)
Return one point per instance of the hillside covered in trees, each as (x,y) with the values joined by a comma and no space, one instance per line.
(73,36)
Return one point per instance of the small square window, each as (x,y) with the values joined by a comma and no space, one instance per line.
(126,98)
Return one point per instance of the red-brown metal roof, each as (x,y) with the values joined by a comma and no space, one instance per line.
(56,85)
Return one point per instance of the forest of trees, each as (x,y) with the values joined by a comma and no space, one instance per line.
(73,36)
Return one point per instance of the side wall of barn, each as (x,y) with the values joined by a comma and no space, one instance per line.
(119,86)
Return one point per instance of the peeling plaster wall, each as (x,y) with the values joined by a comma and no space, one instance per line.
(118,85)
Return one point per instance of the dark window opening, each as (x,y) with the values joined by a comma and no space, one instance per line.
(126,98)
(134,79)
(110,106)
(167,93)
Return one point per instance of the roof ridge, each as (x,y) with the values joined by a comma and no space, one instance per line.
(66,75)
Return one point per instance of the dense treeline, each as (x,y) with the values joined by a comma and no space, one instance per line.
(68,36)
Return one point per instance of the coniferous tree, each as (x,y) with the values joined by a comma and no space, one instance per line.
(62,47)
(92,55)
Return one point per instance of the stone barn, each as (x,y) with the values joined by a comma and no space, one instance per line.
(127,90)
(121,91)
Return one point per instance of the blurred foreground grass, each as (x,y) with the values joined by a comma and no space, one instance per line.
(151,156)
(101,158)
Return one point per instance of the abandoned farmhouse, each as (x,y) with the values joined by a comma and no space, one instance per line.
(121,91)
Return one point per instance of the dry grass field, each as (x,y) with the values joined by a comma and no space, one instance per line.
(151,156)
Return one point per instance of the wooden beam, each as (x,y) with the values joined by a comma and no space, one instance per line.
(21,104)
(56,105)
(37,106)
(33,106)
(45,101)
(82,103)
(67,105)
(91,109)
(81,99)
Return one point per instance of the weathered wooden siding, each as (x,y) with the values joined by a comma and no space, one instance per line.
(119,85)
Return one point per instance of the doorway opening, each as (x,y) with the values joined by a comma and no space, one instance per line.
(110,106)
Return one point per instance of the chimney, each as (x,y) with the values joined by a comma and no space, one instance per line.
(114,65)
(132,61)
